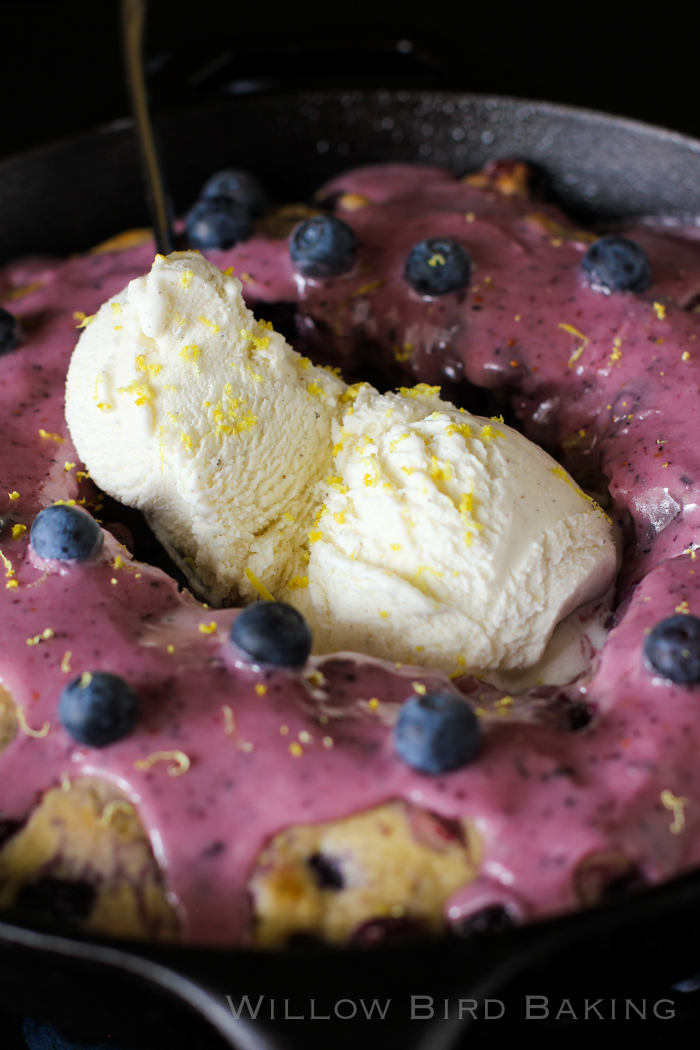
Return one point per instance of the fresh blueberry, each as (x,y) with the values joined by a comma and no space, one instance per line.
(273,633)
(437,266)
(10,332)
(673,648)
(98,708)
(616,264)
(436,733)
(217,222)
(323,246)
(66,533)
(237,186)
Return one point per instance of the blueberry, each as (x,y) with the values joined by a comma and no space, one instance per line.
(437,266)
(10,332)
(273,633)
(217,222)
(66,533)
(323,246)
(616,264)
(437,732)
(98,708)
(673,648)
(237,186)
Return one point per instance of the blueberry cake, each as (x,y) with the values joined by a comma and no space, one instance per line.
(175,771)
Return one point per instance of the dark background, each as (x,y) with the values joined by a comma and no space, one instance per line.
(62,61)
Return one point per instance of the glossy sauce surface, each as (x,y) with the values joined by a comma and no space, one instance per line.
(622,411)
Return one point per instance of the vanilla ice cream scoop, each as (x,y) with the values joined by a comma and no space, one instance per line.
(400,526)
(447,539)
(181,404)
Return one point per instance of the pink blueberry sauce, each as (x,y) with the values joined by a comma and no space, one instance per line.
(611,382)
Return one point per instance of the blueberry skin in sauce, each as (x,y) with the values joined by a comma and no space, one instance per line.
(672,648)
(98,709)
(323,246)
(437,733)
(65,533)
(273,633)
(617,264)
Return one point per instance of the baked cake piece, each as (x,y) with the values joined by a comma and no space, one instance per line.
(342,881)
(84,858)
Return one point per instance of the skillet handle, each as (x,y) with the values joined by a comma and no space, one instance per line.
(82,970)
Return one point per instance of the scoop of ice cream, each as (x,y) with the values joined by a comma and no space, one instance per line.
(447,539)
(399,525)
(182,404)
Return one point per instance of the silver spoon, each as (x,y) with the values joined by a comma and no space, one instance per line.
(133,21)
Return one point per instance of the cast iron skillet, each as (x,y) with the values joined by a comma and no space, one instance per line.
(67,197)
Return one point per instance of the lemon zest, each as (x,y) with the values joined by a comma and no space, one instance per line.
(459,428)
(180,762)
(209,324)
(579,350)
(419,390)
(675,804)
(9,571)
(561,473)
(229,721)
(259,587)
(488,432)
(43,637)
(39,733)
(115,806)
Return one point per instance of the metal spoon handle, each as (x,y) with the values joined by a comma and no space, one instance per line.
(133,21)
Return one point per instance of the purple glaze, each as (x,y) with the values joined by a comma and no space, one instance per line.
(542,798)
